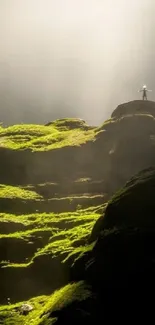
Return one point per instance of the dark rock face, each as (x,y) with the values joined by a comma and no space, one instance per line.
(132,206)
(46,274)
(121,274)
(122,258)
(121,265)
(134,107)
(123,146)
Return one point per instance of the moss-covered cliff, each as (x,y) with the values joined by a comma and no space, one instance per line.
(55,185)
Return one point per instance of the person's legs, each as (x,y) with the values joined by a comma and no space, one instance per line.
(144,96)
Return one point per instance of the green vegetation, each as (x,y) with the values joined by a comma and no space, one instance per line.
(39,241)
(44,138)
(63,230)
(44,305)
(44,222)
(67,295)
(67,239)
(47,219)
(12,192)
(10,315)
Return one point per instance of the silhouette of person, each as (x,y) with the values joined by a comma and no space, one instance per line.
(144,90)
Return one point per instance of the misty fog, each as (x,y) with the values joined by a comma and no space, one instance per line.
(73,58)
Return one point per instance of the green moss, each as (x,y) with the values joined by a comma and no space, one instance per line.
(42,306)
(43,138)
(26,234)
(67,239)
(54,234)
(12,192)
(66,230)
(10,314)
(79,252)
(40,219)
(65,296)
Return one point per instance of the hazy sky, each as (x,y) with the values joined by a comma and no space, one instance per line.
(80,58)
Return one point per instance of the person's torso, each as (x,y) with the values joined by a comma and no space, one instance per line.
(144,91)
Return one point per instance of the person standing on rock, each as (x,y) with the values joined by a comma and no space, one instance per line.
(144,90)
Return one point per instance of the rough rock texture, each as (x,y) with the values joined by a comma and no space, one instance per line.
(56,181)
(126,233)
(134,107)
(132,206)
(120,267)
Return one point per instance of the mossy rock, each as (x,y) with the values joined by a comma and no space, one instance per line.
(72,304)
(132,206)
(69,123)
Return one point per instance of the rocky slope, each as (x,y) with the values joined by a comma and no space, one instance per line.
(56,181)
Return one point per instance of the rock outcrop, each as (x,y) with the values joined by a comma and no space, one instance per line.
(72,210)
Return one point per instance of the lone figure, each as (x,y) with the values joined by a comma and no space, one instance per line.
(144,90)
